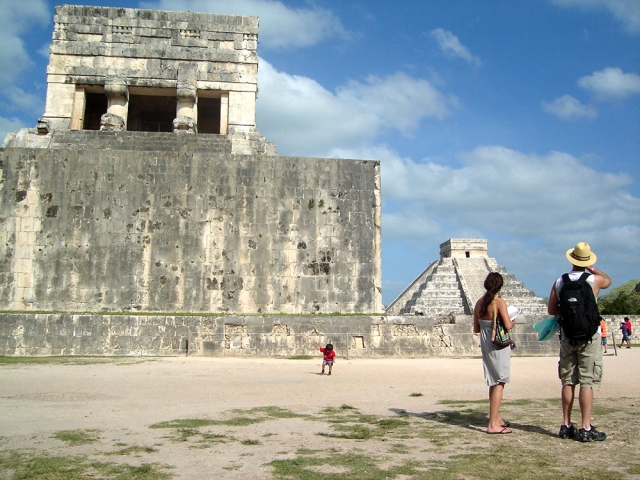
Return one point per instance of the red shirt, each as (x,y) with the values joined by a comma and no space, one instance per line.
(329,355)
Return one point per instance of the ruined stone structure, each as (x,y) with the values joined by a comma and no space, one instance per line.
(147,187)
(453,284)
(120,69)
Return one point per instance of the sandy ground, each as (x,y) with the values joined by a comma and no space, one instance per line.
(123,397)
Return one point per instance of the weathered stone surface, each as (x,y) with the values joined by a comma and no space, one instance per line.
(257,336)
(130,56)
(183,229)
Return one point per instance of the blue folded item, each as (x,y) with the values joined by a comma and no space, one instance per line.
(547,328)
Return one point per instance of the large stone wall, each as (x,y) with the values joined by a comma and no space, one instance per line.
(256,336)
(102,221)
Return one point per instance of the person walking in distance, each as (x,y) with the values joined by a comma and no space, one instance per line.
(603,334)
(626,332)
(580,351)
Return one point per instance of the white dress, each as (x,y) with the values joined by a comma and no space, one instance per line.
(496,362)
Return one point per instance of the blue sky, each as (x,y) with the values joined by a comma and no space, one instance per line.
(518,122)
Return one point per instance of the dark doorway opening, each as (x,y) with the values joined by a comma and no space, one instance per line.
(209,115)
(151,114)
(95,105)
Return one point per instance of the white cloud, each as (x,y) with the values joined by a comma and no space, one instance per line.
(26,102)
(303,117)
(451,46)
(611,83)
(625,11)
(280,25)
(567,107)
(9,125)
(15,19)
(501,190)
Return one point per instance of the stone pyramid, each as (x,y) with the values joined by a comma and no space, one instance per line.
(453,284)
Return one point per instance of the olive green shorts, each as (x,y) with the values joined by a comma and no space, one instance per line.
(581,364)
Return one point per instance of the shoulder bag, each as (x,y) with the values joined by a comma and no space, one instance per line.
(499,335)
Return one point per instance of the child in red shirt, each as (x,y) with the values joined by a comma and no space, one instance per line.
(329,356)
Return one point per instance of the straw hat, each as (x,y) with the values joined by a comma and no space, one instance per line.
(581,255)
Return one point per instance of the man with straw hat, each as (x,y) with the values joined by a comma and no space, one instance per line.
(581,362)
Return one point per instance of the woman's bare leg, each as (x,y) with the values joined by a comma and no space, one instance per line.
(495,400)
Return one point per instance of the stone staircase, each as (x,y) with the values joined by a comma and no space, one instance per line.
(437,294)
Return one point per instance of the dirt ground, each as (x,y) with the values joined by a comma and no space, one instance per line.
(121,398)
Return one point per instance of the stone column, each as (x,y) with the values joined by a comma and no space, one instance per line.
(186,120)
(117,92)
(224,114)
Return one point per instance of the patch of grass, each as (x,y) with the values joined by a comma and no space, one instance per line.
(185,423)
(32,466)
(463,402)
(274,412)
(214,438)
(250,442)
(351,432)
(416,395)
(353,425)
(527,465)
(133,450)
(64,360)
(242,421)
(350,465)
(77,437)
(399,449)
(301,357)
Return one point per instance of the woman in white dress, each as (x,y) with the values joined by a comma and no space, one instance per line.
(496,362)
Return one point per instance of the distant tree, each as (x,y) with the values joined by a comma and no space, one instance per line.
(622,300)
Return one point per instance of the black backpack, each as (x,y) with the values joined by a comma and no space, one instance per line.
(579,315)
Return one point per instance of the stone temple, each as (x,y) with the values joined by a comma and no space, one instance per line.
(453,284)
(147,187)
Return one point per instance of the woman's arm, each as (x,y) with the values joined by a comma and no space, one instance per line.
(504,313)
(552,307)
(476,324)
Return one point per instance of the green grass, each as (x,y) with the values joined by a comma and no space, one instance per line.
(349,465)
(78,437)
(68,360)
(38,466)
(415,395)
(133,450)
(250,442)
(302,357)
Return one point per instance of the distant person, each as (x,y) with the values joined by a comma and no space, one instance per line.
(628,322)
(626,336)
(329,357)
(580,361)
(495,361)
(603,334)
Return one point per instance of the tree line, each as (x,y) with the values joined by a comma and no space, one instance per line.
(622,300)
